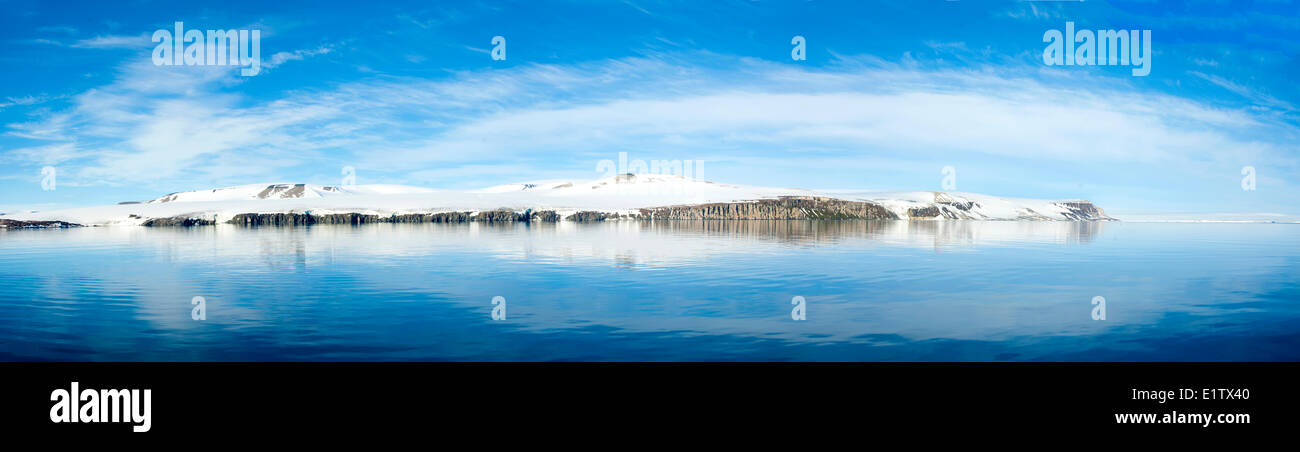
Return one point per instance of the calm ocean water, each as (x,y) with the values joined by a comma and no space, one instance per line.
(888,290)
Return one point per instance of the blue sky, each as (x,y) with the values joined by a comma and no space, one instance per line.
(890,93)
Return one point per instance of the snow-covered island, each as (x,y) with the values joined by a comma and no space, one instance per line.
(621,197)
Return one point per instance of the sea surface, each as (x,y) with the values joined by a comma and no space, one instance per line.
(676,291)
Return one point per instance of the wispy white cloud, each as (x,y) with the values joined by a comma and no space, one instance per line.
(100,42)
(280,58)
(49,154)
(637,7)
(22,101)
(1253,95)
(1036,11)
(114,42)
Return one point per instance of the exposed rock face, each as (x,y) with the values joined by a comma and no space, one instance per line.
(927,212)
(784,208)
(959,205)
(944,199)
(302,219)
(272,219)
(410,218)
(19,224)
(946,207)
(545,215)
(282,191)
(450,217)
(501,216)
(1084,210)
(166,198)
(587,216)
(178,221)
(345,218)
(440,217)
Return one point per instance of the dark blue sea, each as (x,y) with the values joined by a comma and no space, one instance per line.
(675,291)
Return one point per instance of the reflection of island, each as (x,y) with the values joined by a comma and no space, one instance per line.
(875,278)
(629,242)
(937,233)
(624,243)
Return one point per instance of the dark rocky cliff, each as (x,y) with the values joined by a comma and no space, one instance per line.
(178,221)
(1084,210)
(784,208)
(19,224)
(303,219)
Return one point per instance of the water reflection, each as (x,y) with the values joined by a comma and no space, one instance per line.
(931,233)
(877,290)
(627,244)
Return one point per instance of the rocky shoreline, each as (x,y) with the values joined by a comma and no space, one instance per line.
(18,224)
(624,197)
(781,208)
(785,208)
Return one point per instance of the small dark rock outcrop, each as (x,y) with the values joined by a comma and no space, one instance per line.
(282,191)
(591,216)
(959,205)
(38,224)
(924,212)
(178,221)
(545,215)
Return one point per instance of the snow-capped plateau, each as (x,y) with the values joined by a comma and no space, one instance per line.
(621,197)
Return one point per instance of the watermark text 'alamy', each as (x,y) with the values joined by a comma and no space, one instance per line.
(214,48)
(1100,48)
